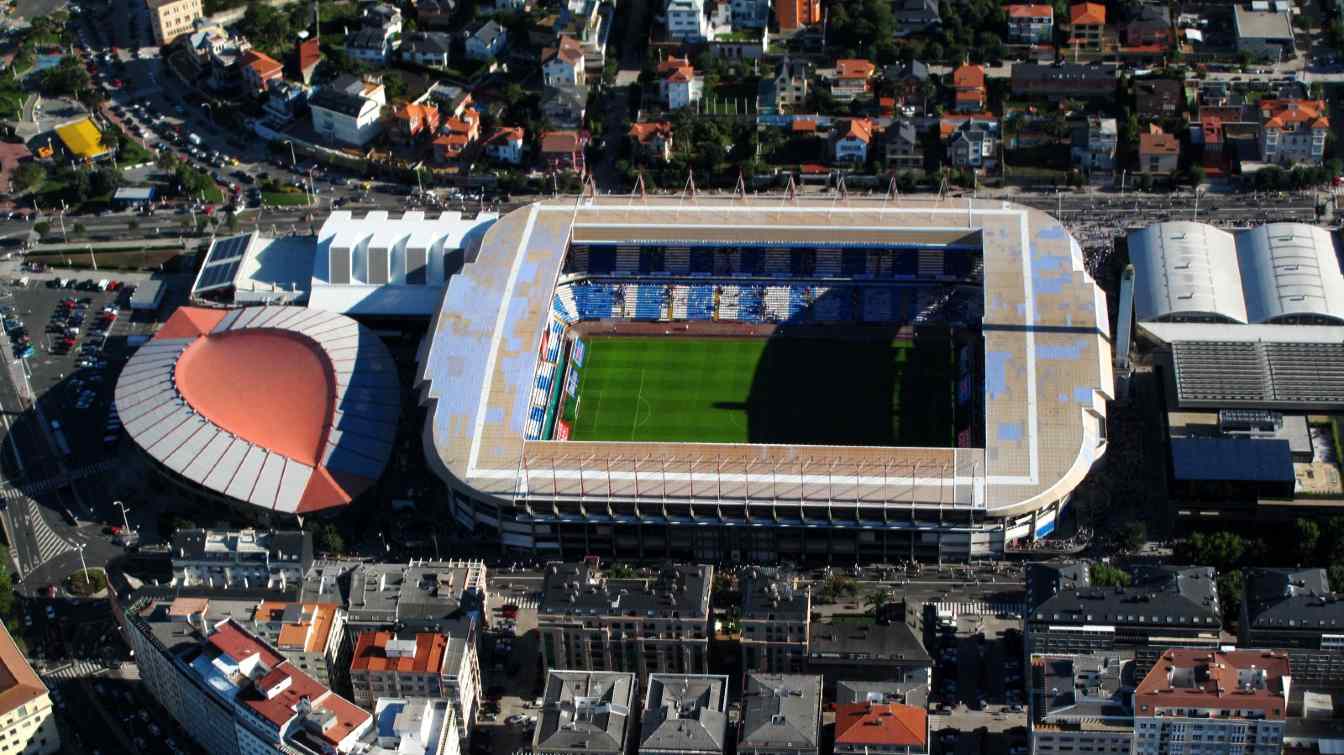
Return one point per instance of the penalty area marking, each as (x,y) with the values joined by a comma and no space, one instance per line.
(640,401)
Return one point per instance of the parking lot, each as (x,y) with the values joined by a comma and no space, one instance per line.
(510,674)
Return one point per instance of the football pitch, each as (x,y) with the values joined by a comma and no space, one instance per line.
(857,391)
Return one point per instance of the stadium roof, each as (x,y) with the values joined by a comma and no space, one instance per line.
(1047,359)
(285,408)
(1271,273)
(82,138)
(1260,374)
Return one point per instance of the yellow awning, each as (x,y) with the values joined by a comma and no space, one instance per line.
(82,138)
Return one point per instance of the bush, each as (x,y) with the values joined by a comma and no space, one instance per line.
(86,583)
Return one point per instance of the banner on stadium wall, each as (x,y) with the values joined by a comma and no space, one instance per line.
(545,341)
(572,382)
(577,352)
(562,429)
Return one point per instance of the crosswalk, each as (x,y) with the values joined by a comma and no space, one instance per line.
(30,489)
(72,670)
(49,544)
(978,608)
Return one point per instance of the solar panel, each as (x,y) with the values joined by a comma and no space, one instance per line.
(228,249)
(221,263)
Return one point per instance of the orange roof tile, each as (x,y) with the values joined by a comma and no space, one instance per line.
(189,322)
(968,76)
(804,125)
(854,68)
(642,132)
(881,725)
(19,684)
(262,64)
(1030,11)
(1087,14)
(858,128)
(1293,114)
(1159,144)
(371,653)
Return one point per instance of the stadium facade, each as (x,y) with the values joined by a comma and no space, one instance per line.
(494,369)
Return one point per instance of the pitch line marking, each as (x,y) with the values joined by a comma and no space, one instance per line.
(640,401)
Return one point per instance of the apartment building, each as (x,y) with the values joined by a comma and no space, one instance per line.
(1294,131)
(865,728)
(776,612)
(231,692)
(1094,144)
(853,79)
(419,596)
(27,721)
(1163,607)
(890,650)
(1030,24)
(1293,610)
(241,559)
(411,726)
(684,714)
(1159,152)
(586,712)
(914,692)
(441,664)
(794,15)
(1196,701)
(1082,703)
(686,20)
(968,81)
(657,622)
(781,715)
(1087,25)
(170,19)
(310,635)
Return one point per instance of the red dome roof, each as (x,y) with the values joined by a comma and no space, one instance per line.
(273,388)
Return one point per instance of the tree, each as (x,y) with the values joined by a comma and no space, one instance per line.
(80,229)
(105,181)
(1105,575)
(1336,576)
(65,79)
(327,539)
(875,599)
(29,175)
(1221,550)
(41,228)
(1229,595)
(1132,536)
(1308,539)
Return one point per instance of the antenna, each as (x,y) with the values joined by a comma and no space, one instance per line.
(689,191)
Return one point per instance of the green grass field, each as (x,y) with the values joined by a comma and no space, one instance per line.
(870,391)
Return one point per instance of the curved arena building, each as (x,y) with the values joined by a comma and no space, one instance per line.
(767,379)
(276,411)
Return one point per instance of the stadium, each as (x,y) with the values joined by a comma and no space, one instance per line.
(767,379)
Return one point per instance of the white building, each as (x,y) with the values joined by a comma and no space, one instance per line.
(1294,131)
(379,265)
(487,42)
(346,118)
(506,145)
(411,726)
(27,723)
(686,20)
(1094,145)
(564,64)
(242,559)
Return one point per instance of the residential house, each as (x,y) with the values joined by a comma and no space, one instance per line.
(1295,610)
(384,16)
(204,39)
(369,45)
(750,14)
(506,145)
(869,727)
(904,151)
(908,83)
(258,68)
(564,105)
(1031,24)
(584,617)
(307,54)
(345,118)
(1159,98)
(587,713)
(170,19)
(562,151)
(850,139)
(653,141)
(27,717)
(1194,696)
(226,62)
(679,85)
(1264,35)
(488,41)
(968,81)
(452,99)
(1087,26)
(1081,703)
(589,23)
(684,714)
(974,145)
(794,15)
(427,48)
(285,101)
(458,132)
(776,616)
(411,121)
(435,14)
(309,635)
(853,79)
(781,715)
(1060,80)
(1094,144)
(786,89)
(1151,25)
(686,20)
(1159,152)
(1163,606)
(1294,131)
(563,64)
(915,16)
(890,650)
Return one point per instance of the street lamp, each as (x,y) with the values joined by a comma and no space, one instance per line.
(85,566)
(124,520)
(292,159)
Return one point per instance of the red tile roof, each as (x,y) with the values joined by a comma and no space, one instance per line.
(642,132)
(19,684)
(1087,14)
(881,725)
(310,54)
(569,51)
(1190,678)
(857,128)
(189,322)
(508,134)
(229,639)
(1294,114)
(1159,144)
(561,141)
(1031,11)
(371,653)
(263,65)
(854,68)
(968,76)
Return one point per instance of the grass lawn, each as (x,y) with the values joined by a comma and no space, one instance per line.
(119,258)
(133,154)
(766,390)
(283,198)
